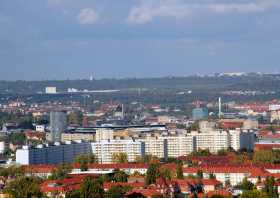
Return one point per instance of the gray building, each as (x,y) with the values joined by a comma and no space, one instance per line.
(52,154)
(58,124)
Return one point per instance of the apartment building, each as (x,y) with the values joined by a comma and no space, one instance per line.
(169,146)
(52,154)
(155,146)
(105,149)
(179,145)
(217,140)
(213,140)
(74,136)
(242,139)
(104,134)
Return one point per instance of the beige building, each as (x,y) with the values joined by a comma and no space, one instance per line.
(169,146)
(213,140)
(104,134)
(77,136)
(218,140)
(105,149)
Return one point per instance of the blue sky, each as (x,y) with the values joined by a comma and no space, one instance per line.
(60,39)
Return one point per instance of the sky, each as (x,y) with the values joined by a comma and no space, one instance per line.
(72,39)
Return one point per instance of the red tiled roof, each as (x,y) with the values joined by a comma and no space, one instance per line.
(109,185)
(144,192)
(38,168)
(63,185)
(219,192)
(205,182)
(266,146)
(115,166)
(224,169)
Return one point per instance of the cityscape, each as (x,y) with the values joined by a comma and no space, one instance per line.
(197,142)
(139,99)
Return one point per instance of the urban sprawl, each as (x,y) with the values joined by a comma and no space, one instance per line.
(75,144)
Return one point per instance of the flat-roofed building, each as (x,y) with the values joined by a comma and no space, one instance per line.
(73,136)
(105,149)
(169,146)
(213,140)
(104,134)
(52,154)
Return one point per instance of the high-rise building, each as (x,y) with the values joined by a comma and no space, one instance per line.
(105,149)
(215,140)
(52,154)
(58,124)
(212,140)
(169,146)
(104,134)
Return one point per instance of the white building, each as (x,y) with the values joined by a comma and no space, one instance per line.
(169,146)
(105,149)
(2,147)
(40,128)
(212,140)
(218,140)
(51,90)
(104,134)
(242,139)
(52,154)
(155,146)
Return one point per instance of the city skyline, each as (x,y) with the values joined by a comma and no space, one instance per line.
(59,39)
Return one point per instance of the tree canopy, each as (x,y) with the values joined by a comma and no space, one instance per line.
(24,187)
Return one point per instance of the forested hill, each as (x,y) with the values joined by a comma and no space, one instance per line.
(214,83)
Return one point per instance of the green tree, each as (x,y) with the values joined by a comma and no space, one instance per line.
(89,159)
(199,174)
(120,176)
(222,152)
(227,183)
(12,171)
(85,160)
(165,173)
(148,159)
(91,188)
(73,194)
(75,118)
(269,188)
(179,171)
(246,185)
(254,194)
(18,138)
(119,158)
(61,172)
(152,174)
(84,166)
(117,192)
(212,176)
(201,152)
(24,187)
(264,156)
(218,196)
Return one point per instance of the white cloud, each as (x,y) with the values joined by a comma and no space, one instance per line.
(147,10)
(88,16)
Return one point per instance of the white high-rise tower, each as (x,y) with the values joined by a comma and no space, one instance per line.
(220,107)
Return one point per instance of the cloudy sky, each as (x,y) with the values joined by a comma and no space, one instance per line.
(60,39)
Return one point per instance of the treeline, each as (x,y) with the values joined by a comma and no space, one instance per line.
(259,82)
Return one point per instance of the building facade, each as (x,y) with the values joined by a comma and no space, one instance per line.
(52,154)
(105,149)
(104,134)
(58,124)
